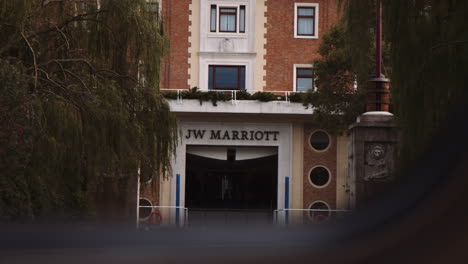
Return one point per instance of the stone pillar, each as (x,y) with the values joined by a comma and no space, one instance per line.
(371,156)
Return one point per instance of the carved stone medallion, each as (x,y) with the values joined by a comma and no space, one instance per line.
(378,162)
(226,45)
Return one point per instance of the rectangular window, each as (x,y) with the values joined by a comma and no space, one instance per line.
(305,20)
(304,79)
(153,7)
(226,77)
(227,19)
(141,73)
(230,19)
(213,18)
(242,19)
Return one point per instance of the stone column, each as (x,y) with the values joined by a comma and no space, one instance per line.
(371,156)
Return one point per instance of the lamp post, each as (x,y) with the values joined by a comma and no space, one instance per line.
(378,88)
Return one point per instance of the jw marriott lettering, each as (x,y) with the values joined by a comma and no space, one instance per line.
(232,135)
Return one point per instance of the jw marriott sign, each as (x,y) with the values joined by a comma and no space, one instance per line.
(232,135)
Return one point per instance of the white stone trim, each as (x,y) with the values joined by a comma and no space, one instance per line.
(240,107)
(283,144)
(231,59)
(194,41)
(260,43)
(242,42)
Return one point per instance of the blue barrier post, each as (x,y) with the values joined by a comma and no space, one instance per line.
(286,198)
(177,198)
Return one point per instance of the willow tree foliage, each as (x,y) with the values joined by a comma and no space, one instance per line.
(80,103)
(428,57)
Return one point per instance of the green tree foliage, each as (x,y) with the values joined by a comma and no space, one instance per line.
(80,88)
(336,101)
(428,57)
(15,139)
(341,76)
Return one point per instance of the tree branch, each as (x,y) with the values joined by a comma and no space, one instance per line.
(118,75)
(58,61)
(52,81)
(64,37)
(34,59)
(79,79)
(81,17)
(77,18)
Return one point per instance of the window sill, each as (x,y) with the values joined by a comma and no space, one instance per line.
(187,106)
(227,35)
(305,37)
(218,53)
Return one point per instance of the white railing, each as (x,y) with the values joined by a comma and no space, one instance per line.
(163,216)
(286,94)
(306,216)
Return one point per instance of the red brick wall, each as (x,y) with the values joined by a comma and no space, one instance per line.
(282,49)
(174,74)
(313,158)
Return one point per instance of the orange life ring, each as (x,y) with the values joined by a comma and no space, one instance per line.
(155,218)
(320,217)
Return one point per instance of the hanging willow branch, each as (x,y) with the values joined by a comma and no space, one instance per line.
(89,115)
(34,59)
(428,58)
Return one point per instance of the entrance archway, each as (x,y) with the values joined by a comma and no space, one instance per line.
(231,183)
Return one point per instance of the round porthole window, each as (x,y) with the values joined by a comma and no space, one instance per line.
(319,211)
(319,176)
(144,212)
(319,140)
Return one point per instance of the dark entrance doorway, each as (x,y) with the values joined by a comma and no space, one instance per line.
(231,184)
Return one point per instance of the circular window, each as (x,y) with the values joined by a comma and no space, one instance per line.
(319,176)
(319,140)
(319,211)
(144,211)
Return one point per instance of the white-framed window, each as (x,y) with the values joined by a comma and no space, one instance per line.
(319,176)
(306,20)
(226,77)
(227,18)
(303,77)
(154,6)
(141,73)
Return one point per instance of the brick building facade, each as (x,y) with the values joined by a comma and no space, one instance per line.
(283,50)
(256,46)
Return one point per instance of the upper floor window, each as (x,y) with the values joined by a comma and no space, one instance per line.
(153,6)
(229,19)
(305,20)
(303,77)
(226,77)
